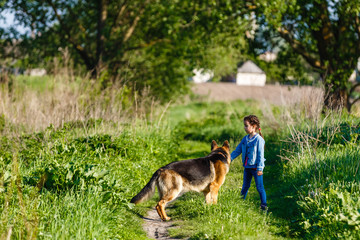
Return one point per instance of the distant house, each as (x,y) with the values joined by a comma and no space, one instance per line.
(36,72)
(250,74)
(268,56)
(202,75)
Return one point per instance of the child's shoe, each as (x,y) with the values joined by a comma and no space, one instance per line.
(264,207)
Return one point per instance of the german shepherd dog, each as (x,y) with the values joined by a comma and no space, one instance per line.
(205,174)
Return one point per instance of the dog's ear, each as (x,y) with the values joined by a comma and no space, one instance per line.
(213,145)
(226,144)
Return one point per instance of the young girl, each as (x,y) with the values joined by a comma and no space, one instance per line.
(252,149)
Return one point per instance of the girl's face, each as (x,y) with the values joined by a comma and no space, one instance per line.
(249,129)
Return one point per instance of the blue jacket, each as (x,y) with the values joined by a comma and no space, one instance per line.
(253,149)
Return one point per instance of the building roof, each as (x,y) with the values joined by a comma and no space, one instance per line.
(249,67)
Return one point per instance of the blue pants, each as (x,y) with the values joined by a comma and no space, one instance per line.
(248,174)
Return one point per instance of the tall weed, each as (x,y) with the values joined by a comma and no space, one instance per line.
(321,157)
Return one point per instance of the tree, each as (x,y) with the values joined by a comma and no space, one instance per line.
(288,67)
(94,29)
(326,33)
(131,38)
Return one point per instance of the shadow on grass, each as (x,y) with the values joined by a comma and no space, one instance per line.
(192,155)
(279,192)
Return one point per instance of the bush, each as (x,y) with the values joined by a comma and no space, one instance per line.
(334,213)
(323,164)
(58,164)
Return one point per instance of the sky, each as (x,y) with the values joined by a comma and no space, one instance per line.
(7,20)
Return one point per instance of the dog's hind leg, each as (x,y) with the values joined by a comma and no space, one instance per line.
(169,186)
(159,211)
(160,207)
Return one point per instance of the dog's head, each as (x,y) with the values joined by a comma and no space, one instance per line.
(225,149)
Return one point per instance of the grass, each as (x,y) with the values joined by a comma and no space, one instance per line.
(74,179)
(323,167)
(321,152)
(93,219)
(88,182)
(231,218)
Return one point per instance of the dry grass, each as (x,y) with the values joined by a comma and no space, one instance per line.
(309,106)
(67,99)
(63,97)
(273,94)
(294,102)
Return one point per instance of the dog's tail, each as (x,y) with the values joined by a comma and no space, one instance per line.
(148,191)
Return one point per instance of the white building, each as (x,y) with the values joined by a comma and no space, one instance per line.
(202,75)
(250,74)
(36,72)
(268,56)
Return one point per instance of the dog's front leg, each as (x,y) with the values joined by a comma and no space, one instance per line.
(220,172)
(214,189)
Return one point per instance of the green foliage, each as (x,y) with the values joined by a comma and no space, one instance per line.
(324,168)
(2,122)
(139,43)
(288,68)
(324,33)
(335,213)
(94,219)
(85,182)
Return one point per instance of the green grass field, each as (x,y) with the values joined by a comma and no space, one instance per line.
(75,180)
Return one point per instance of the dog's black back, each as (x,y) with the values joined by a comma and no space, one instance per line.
(197,169)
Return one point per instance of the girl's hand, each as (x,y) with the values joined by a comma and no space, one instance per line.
(259,173)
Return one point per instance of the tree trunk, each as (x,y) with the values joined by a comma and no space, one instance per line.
(335,98)
(100,38)
(336,93)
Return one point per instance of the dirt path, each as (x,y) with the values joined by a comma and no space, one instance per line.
(155,227)
(274,94)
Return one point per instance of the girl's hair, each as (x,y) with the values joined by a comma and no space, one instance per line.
(254,121)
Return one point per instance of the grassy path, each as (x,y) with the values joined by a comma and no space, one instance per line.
(232,217)
(76,181)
